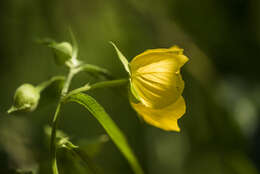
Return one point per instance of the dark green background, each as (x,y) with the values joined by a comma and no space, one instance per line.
(220,131)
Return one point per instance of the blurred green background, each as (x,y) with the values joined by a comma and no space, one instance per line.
(221,129)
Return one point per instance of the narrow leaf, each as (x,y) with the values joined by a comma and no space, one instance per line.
(108,124)
(122,58)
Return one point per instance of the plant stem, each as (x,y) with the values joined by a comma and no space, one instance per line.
(95,69)
(111,83)
(47,83)
(65,89)
(68,81)
(72,72)
(53,141)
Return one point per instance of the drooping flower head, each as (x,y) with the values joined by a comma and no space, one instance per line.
(155,75)
(157,84)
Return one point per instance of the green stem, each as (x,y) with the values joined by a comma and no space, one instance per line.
(95,69)
(47,83)
(53,141)
(72,72)
(65,89)
(68,81)
(111,83)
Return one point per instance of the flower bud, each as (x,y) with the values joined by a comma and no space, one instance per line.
(62,52)
(26,99)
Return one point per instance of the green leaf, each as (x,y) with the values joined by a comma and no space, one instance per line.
(108,124)
(122,58)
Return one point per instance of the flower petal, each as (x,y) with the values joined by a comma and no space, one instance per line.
(156,55)
(157,90)
(165,118)
(156,76)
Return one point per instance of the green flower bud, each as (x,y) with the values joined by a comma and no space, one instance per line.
(62,52)
(26,99)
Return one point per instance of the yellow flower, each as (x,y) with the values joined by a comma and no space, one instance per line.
(157,84)
(155,76)
(156,79)
(165,118)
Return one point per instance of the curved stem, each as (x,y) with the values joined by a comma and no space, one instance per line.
(87,87)
(47,83)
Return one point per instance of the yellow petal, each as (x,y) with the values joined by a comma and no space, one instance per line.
(157,90)
(156,76)
(156,55)
(177,49)
(165,118)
